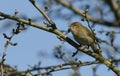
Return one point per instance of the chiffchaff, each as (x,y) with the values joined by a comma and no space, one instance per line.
(83,36)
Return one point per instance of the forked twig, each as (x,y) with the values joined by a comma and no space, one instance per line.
(43,13)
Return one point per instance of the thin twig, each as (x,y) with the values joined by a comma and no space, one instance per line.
(4,55)
(8,42)
(80,12)
(86,18)
(43,13)
(59,67)
(24,21)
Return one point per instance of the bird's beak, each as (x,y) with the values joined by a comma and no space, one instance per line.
(68,30)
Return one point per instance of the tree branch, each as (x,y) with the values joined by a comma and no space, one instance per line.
(28,22)
(114,7)
(81,13)
(71,42)
(43,13)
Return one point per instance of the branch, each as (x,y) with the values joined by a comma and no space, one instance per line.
(43,13)
(114,7)
(28,22)
(54,68)
(81,13)
(71,42)
(58,67)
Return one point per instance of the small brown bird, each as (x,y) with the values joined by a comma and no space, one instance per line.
(83,35)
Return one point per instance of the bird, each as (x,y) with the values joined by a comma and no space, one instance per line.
(83,36)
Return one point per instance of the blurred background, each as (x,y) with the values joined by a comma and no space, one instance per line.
(36,46)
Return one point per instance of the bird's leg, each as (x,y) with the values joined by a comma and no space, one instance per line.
(74,53)
(87,46)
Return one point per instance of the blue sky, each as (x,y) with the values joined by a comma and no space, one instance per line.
(29,42)
(32,41)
